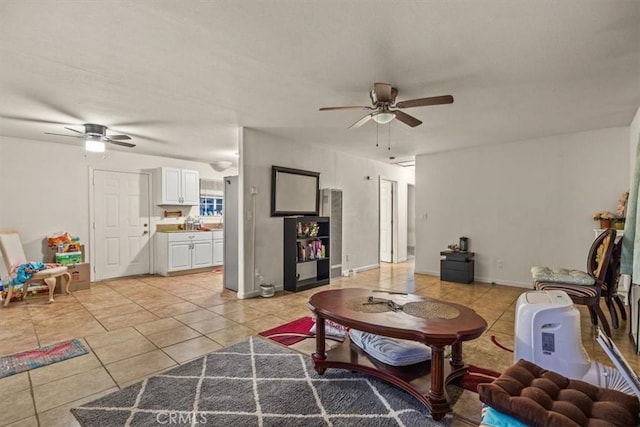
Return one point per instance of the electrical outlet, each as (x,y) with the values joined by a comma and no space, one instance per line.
(499,264)
(348,256)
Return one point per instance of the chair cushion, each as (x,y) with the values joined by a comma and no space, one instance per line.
(392,351)
(561,275)
(539,397)
(50,272)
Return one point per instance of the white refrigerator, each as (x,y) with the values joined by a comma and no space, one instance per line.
(231,195)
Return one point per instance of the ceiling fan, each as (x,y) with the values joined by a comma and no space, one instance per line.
(385,108)
(95,136)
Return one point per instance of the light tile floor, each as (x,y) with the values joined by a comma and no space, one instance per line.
(137,327)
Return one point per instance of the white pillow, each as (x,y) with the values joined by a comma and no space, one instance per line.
(392,351)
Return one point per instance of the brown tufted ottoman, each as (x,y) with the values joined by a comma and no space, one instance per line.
(540,397)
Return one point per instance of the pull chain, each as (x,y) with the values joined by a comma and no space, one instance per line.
(377,132)
(389,140)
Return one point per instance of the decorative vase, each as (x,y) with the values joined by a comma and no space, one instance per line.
(618,225)
(605,223)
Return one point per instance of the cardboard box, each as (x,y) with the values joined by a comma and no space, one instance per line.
(79,277)
(50,256)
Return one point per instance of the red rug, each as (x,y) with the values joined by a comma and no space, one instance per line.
(290,333)
(41,356)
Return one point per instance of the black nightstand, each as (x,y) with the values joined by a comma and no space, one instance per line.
(457,266)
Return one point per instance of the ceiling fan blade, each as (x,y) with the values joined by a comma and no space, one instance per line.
(118,137)
(123,144)
(353,107)
(423,102)
(360,122)
(383,92)
(407,119)
(148,138)
(62,134)
(32,120)
(46,101)
(139,123)
(73,130)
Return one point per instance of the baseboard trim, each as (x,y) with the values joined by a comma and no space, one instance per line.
(366,267)
(481,279)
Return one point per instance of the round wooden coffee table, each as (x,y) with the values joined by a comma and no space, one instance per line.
(433,322)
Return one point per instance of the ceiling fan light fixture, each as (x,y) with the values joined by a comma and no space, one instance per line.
(94,144)
(383,117)
(221,165)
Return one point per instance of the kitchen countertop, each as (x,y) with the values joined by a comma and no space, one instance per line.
(188,231)
(177,228)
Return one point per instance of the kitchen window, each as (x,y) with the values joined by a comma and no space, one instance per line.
(211,206)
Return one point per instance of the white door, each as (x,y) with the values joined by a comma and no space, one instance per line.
(121,224)
(386,221)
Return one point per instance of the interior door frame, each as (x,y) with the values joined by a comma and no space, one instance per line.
(394,217)
(92,232)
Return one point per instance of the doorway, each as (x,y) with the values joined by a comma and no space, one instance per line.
(387,204)
(411,221)
(121,224)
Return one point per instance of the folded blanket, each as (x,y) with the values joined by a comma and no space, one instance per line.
(392,351)
(331,329)
(21,273)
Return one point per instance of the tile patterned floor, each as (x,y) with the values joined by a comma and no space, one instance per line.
(137,327)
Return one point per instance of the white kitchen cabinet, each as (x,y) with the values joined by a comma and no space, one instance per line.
(178,251)
(177,186)
(202,254)
(179,256)
(218,247)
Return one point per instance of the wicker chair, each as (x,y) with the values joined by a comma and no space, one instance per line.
(584,288)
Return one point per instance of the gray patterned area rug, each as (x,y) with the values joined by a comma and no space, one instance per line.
(257,383)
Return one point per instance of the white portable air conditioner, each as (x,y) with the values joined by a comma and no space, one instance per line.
(547,333)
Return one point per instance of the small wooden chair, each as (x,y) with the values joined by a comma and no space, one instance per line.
(13,254)
(585,293)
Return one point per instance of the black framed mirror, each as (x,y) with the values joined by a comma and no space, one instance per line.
(294,192)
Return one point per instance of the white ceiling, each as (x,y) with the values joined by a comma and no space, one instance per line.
(182,76)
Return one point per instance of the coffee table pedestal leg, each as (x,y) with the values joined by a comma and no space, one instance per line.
(456,355)
(436,396)
(320,353)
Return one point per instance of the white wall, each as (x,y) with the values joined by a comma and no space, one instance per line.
(525,203)
(44,187)
(337,170)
